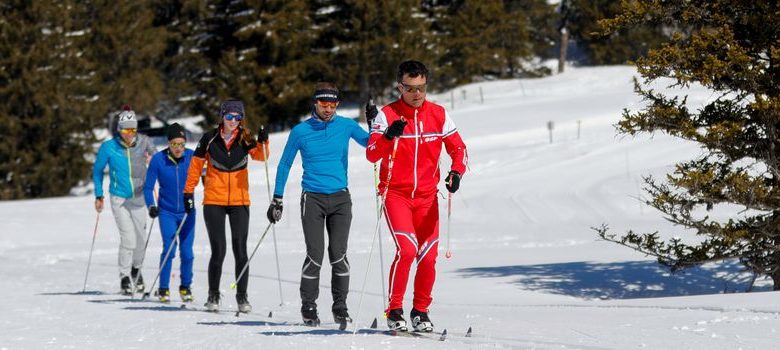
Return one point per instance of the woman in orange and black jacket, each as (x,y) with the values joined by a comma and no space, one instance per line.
(226,151)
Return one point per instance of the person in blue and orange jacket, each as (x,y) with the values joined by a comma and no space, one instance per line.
(420,128)
(169,169)
(226,151)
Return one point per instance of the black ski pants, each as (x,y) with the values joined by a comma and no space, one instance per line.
(214,216)
(319,212)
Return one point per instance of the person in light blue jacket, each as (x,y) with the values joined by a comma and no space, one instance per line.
(323,141)
(126,156)
(168,168)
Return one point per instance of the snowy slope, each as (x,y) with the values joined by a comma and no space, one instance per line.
(527,271)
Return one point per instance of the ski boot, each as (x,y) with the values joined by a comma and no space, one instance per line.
(420,321)
(243,303)
(126,286)
(185,293)
(138,278)
(212,304)
(164,294)
(309,314)
(341,316)
(395,320)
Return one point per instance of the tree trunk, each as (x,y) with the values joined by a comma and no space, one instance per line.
(564,46)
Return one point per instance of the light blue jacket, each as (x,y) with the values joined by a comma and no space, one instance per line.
(126,166)
(324,150)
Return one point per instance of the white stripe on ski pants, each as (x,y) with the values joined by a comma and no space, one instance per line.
(130,216)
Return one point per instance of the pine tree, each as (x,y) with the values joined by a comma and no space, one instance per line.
(732,48)
(479,40)
(128,51)
(371,38)
(619,46)
(50,98)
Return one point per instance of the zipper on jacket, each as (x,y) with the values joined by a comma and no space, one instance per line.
(416,145)
(130,171)
(178,201)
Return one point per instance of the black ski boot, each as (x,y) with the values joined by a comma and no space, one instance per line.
(243,303)
(309,314)
(138,278)
(341,316)
(164,294)
(125,285)
(212,304)
(185,293)
(420,321)
(395,320)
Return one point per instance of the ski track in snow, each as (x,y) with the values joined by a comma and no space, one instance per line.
(527,271)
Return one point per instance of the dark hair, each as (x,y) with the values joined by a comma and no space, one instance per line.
(325,85)
(411,68)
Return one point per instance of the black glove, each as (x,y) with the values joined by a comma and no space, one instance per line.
(262,135)
(453,181)
(189,202)
(275,210)
(154,212)
(396,129)
(371,113)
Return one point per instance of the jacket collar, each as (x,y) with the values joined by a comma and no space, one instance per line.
(318,124)
(407,111)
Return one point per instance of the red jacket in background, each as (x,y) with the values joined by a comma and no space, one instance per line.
(416,165)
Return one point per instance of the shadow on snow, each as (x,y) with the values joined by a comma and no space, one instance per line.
(621,280)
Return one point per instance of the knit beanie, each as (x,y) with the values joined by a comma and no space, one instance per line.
(127,119)
(175,131)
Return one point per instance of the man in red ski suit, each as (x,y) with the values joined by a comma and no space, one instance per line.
(418,128)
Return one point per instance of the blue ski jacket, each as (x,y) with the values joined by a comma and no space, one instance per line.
(126,166)
(324,150)
(172,175)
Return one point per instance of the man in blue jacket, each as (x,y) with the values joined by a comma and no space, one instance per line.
(169,168)
(323,141)
(126,156)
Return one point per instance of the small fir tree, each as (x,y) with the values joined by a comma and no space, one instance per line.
(732,48)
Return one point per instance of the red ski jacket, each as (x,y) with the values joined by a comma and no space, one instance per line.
(416,163)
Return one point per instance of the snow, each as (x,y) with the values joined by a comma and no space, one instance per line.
(527,271)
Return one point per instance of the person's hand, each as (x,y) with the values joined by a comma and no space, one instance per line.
(262,135)
(189,202)
(396,129)
(275,210)
(154,211)
(371,113)
(452,182)
(99,204)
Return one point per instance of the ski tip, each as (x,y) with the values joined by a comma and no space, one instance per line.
(443,335)
(146,295)
(237,313)
(374,324)
(183,306)
(270,314)
(233,285)
(468,332)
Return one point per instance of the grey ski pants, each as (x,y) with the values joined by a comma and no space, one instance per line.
(130,216)
(318,212)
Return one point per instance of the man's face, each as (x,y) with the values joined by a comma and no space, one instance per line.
(128,135)
(176,146)
(325,110)
(413,90)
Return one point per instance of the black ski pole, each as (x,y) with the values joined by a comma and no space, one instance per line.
(235,283)
(167,254)
(376,230)
(273,228)
(143,257)
(91,248)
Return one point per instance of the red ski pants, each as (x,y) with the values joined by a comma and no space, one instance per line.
(414,226)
